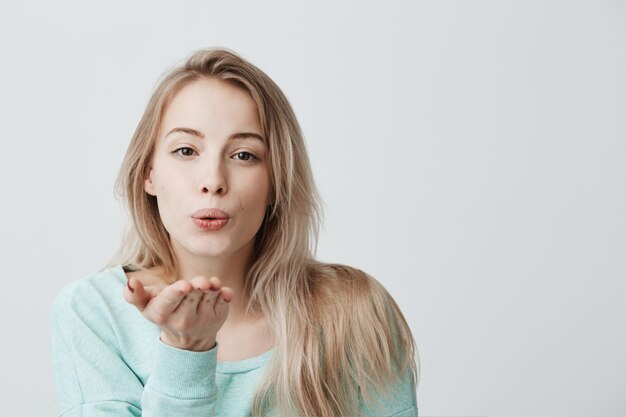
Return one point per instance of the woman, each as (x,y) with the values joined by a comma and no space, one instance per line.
(214,304)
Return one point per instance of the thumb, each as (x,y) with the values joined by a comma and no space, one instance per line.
(136,294)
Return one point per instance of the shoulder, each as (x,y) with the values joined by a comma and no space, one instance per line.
(92,299)
(90,287)
(340,277)
(356,296)
(361,316)
(344,285)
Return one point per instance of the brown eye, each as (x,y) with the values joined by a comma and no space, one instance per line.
(182,149)
(246,156)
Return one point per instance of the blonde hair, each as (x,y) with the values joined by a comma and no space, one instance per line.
(326,317)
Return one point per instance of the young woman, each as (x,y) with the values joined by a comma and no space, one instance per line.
(214,304)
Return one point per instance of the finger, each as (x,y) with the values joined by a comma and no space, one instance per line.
(189,305)
(135,294)
(213,298)
(222,304)
(207,288)
(227,294)
(202,283)
(207,304)
(215,283)
(169,299)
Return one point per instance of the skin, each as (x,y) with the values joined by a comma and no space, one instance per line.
(188,173)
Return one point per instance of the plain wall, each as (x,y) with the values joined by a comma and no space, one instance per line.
(471,156)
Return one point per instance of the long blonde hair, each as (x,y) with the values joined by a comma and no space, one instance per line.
(326,318)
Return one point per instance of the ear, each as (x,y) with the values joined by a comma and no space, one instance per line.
(149,184)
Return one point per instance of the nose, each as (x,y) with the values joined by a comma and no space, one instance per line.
(213,179)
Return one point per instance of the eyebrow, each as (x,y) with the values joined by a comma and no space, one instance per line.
(239,135)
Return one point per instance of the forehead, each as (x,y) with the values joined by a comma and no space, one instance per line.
(213,106)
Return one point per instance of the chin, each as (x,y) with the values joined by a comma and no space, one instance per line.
(215,246)
(212,250)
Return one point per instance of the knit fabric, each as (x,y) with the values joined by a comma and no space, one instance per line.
(108,360)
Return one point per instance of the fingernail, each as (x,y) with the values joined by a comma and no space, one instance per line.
(128,285)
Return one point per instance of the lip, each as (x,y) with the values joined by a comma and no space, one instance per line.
(212,213)
(210,225)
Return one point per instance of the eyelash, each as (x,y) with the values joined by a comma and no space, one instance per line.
(253,158)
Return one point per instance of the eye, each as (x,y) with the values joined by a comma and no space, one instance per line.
(246,156)
(183,148)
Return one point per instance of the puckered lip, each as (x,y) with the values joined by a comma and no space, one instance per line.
(210,213)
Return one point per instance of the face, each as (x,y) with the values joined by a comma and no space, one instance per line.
(203,160)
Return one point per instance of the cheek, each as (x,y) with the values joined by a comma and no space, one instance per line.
(253,196)
(169,182)
(169,194)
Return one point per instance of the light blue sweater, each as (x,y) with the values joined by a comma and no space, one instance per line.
(108,361)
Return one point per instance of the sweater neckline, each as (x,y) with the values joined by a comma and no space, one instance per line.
(223,367)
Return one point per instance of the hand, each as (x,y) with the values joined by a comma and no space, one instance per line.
(189,312)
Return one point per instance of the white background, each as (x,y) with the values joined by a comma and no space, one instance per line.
(471,156)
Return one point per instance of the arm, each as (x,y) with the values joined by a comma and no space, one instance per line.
(182,384)
(92,377)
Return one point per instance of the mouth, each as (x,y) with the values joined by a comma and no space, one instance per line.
(210,224)
(210,214)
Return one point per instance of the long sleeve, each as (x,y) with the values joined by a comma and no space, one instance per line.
(182,384)
(90,376)
(108,361)
(93,378)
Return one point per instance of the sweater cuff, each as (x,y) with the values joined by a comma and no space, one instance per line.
(184,374)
